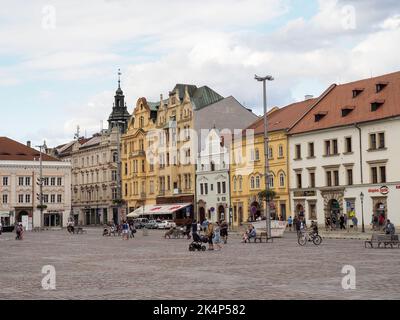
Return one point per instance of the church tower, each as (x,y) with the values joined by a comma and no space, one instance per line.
(119,115)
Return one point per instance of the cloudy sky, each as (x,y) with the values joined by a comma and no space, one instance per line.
(59,58)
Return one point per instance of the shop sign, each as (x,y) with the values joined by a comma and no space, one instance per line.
(310,193)
(382,190)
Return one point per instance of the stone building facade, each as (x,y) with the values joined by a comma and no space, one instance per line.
(20,192)
(96,167)
(343,153)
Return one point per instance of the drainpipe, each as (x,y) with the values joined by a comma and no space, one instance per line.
(288,176)
(362,180)
(361,159)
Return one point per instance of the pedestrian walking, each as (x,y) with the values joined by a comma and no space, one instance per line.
(210,235)
(355,223)
(194,226)
(132,230)
(217,236)
(125,231)
(205,224)
(19,230)
(381,221)
(298,226)
(224,231)
(341,222)
(327,223)
(1,227)
(290,223)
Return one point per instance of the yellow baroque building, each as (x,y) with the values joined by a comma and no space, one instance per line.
(139,176)
(248,162)
(159,150)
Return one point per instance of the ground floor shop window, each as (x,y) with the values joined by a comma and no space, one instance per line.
(312,209)
(52,220)
(283,211)
(105,216)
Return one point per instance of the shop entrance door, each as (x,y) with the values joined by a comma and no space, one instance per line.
(52,220)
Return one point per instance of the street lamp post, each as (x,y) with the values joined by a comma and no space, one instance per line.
(266,168)
(44,146)
(362,211)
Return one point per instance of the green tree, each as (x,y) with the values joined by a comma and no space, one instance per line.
(267,195)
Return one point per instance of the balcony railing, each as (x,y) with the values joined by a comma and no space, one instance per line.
(139,153)
(143,195)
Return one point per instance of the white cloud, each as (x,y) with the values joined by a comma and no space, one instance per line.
(216,43)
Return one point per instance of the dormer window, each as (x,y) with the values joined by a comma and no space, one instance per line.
(346,110)
(380,86)
(318,116)
(375,105)
(357,91)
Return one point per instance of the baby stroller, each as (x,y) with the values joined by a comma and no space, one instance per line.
(197,243)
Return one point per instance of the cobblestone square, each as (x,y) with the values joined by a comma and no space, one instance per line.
(90,266)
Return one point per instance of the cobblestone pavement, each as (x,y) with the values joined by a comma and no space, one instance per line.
(90,266)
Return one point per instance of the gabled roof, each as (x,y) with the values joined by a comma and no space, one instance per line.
(13,150)
(341,96)
(282,118)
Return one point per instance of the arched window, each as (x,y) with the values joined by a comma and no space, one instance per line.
(240,183)
(234,183)
(141,122)
(270,181)
(257,182)
(257,155)
(252,183)
(281,179)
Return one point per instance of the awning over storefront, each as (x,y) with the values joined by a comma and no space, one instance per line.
(4,214)
(157,209)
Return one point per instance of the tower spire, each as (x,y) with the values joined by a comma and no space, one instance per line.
(119,78)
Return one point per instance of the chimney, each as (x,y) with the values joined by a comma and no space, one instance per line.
(308,97)
(28,144)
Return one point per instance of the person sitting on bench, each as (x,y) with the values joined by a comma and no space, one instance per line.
(251,233)
(389,228)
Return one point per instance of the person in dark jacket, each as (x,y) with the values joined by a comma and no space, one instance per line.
(194,226)
(298,226)
(224,231)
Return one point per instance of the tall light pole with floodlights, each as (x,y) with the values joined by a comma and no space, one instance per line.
(266,168)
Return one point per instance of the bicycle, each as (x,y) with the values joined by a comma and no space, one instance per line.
(305,236)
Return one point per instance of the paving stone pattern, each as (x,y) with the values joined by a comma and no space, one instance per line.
(91,266)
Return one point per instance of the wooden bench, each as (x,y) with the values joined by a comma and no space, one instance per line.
(385,239)
(260,236)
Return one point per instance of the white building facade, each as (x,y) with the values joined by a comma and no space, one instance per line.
(19,193)
(212,180)
(323,184)
(343,168)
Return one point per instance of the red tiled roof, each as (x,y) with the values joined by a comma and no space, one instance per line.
(283,118)
(13,150)
(341,96)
